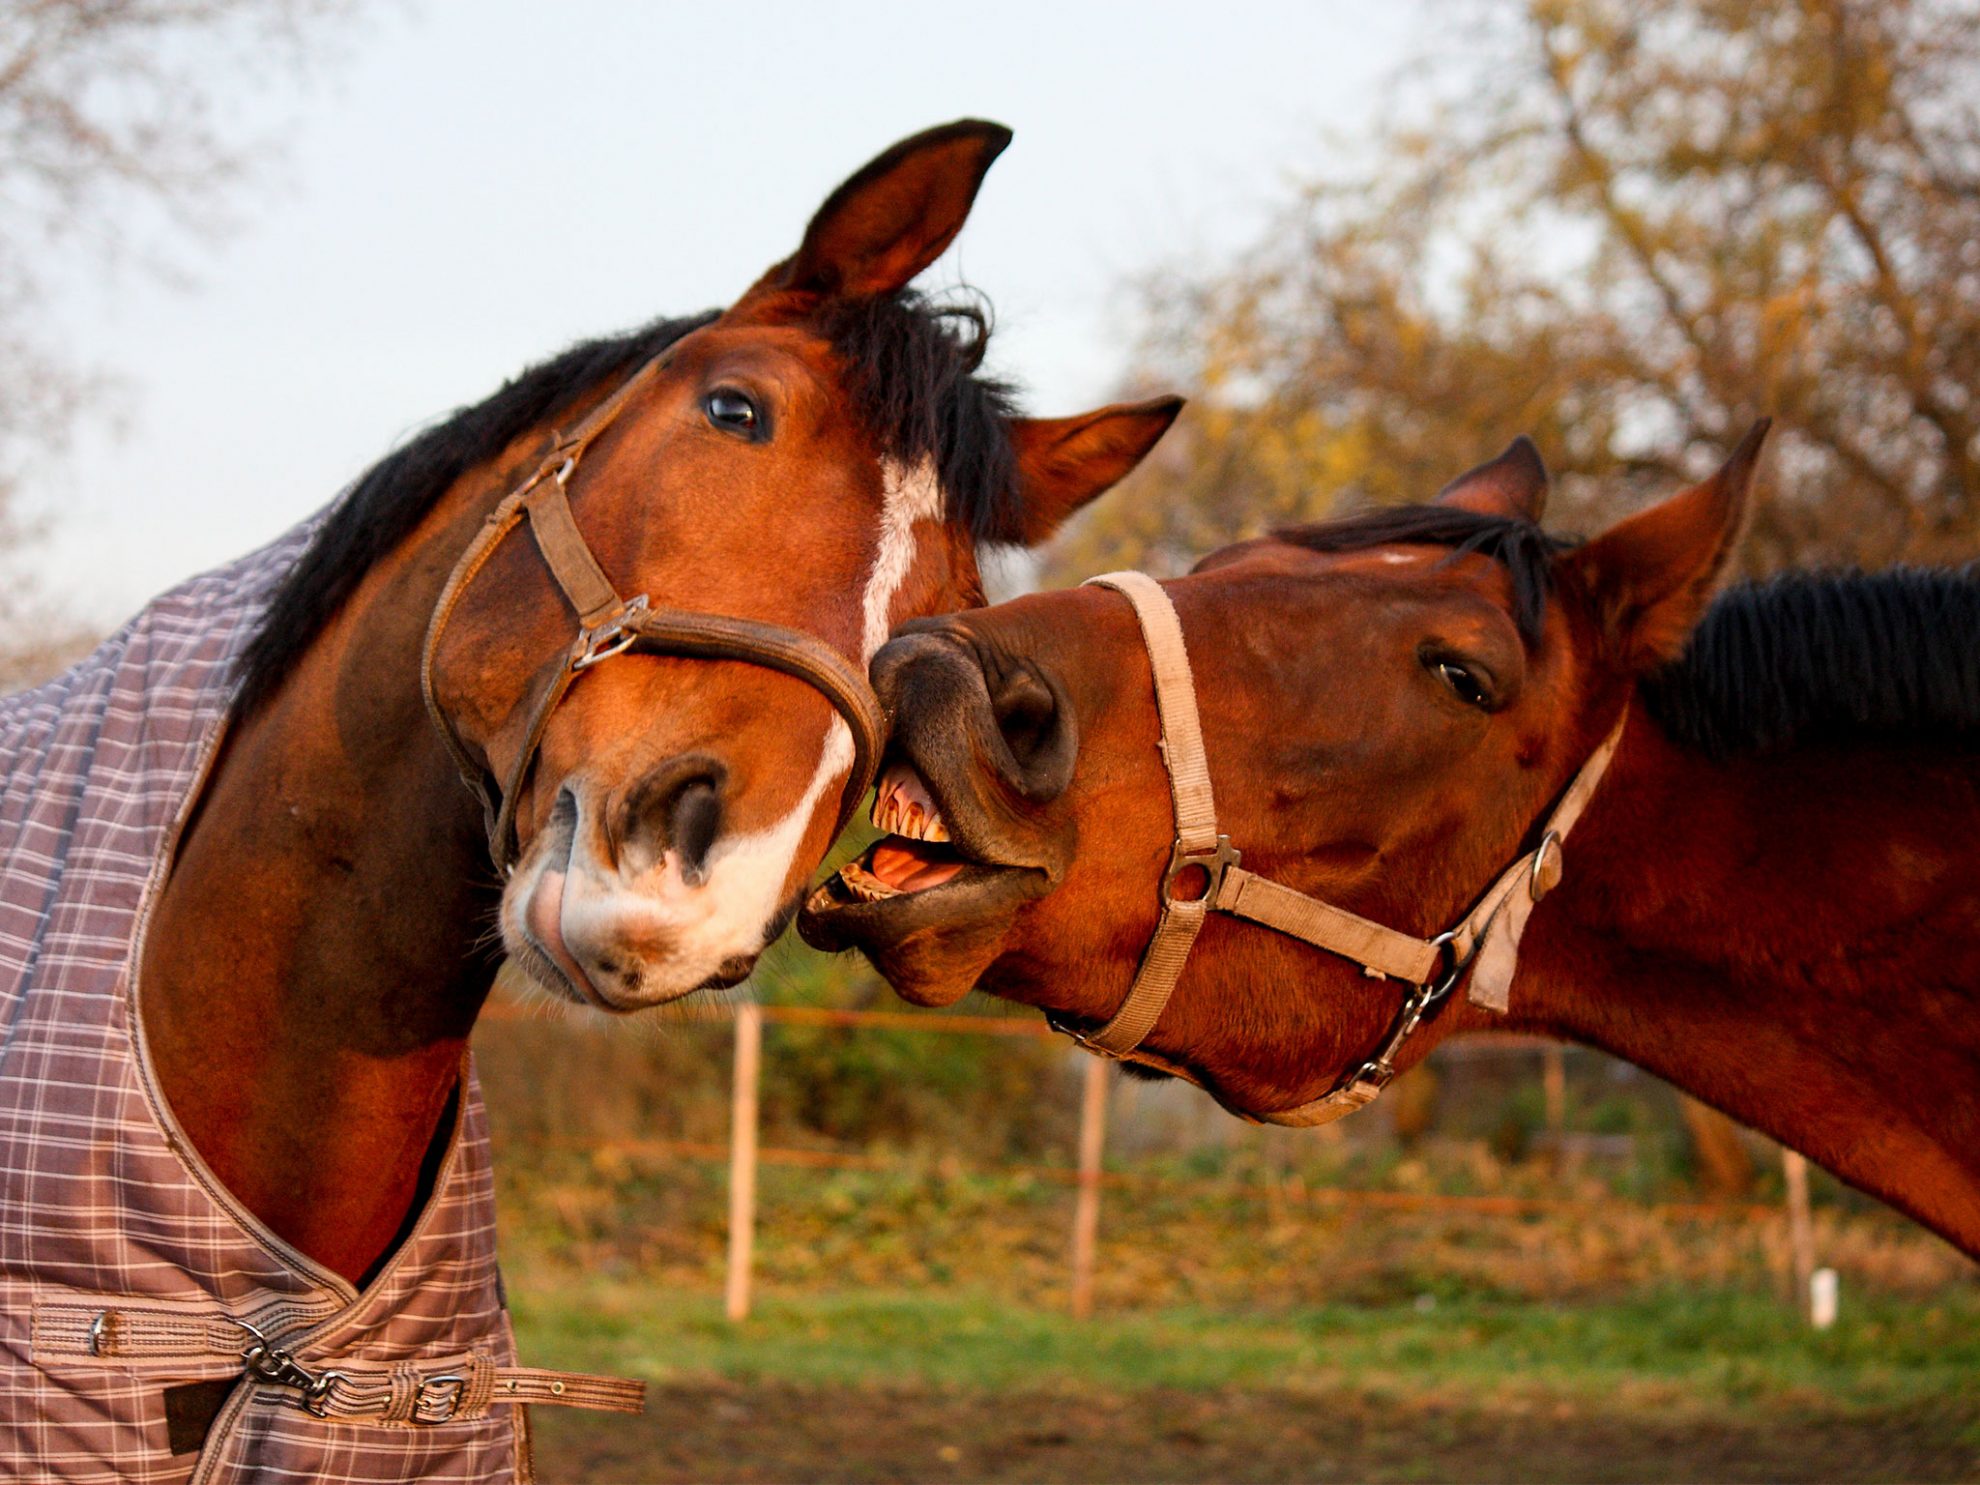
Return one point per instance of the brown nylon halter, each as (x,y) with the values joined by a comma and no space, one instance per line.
(1485,942)
(609,625)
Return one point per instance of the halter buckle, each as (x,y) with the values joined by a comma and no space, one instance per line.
(614,636)
(1213,863)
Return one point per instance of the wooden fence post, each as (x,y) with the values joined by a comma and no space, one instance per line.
(742,1157)
(1086,1205)
(1801,1225)
(1553,1086)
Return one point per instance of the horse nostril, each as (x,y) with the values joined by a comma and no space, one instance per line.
(1027,714)
(694,820)
(678,808)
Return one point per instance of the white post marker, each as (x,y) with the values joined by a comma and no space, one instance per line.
(1824,1297)
(742,1157)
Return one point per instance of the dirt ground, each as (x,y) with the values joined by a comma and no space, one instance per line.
(769,1434)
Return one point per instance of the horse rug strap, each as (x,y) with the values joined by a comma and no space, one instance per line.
(1204,875)
(427,1391)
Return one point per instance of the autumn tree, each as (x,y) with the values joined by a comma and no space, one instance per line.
(115,141)
(1627,227)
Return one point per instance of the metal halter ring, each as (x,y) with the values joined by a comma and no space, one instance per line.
(615,636)
(1213,863)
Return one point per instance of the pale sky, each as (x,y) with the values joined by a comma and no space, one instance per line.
(477,183)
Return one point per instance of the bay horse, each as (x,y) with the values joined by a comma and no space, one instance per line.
(246,903)
(1746,831)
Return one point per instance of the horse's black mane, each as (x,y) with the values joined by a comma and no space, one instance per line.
(1828,656)
(1802,657)
(910,364)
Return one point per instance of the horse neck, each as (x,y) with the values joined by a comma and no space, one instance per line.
(1792,939)
(311,973)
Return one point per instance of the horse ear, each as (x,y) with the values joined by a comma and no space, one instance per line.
(1065,462)
(1651,576)
(893,217)
(1514,484)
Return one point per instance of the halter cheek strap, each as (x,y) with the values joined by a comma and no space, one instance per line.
(1204,875)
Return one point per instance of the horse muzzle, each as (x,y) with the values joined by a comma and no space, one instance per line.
(980,745)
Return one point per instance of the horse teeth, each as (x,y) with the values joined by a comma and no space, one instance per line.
(901,806)
(866,886)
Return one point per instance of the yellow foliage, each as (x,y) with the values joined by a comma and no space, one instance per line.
(1627,228)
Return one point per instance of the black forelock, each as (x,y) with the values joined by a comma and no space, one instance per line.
(911,366)
(1803,657)
(1825,656)
(1519,545)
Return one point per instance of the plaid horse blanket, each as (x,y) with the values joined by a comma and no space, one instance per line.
(129,1278)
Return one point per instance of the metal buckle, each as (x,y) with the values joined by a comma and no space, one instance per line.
(316,1401)
(1079,1038)
(1423,1004)
(449,1401)
(613,637)
(1214,864)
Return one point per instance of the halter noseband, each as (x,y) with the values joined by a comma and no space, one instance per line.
(1485,941)
(609,625)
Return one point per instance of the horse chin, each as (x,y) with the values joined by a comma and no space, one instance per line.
(931,945)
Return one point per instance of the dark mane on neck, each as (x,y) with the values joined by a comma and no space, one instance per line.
(911,366)
(388,500)
(1521,547)
(1814,657)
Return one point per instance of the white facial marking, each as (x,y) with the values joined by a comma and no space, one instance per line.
(912,496)
(726,916)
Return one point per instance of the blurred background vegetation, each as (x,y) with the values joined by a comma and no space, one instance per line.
(1627,228)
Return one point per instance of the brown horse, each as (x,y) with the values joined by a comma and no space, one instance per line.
(808,467)
(1772,900)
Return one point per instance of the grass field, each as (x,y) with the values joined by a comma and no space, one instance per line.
(960,1386)
(911,1326)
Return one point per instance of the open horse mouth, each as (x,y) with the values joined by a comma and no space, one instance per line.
(917,877)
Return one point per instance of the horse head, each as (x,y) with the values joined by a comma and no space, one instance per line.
(1390,705)
(817,463)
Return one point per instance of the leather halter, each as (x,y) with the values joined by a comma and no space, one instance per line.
(1485,941)
(609,625)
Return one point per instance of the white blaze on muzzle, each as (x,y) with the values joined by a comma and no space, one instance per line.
(726,915)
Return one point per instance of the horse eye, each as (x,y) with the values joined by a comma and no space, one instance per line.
(730,410)
(1464,685)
